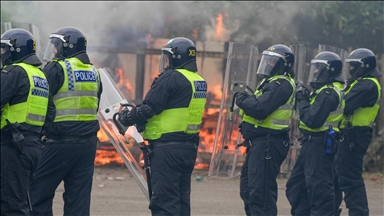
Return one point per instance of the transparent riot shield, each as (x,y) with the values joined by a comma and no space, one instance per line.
(300,53)
(342,54)
(110,103)
(5,26)
(240,74)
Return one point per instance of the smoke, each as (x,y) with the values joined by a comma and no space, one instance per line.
(114,23)
(95,19)
(98,20)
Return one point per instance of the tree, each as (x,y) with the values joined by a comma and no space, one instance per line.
(344,24)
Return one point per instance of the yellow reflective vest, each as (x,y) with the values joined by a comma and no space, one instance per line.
(34,110)
(186,119)
(77,98)
(363,116)
(334,117)
(278,119)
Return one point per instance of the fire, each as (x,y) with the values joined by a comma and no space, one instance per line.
(123,83)
(104,157)
(102,136)
(219,27)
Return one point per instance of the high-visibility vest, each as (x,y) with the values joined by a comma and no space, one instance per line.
(363,116)
(334,117)
(278,119)
(77,98)
(34,110)
(186,119)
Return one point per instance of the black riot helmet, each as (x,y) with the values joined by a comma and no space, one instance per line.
(178,53)
(18,45)
(325,68)
(362,63)
(66,42)
(276,60)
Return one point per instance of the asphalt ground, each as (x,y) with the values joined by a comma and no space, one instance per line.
(115,192)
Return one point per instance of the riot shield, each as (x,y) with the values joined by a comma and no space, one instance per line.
(5,26)
(342,54)
(110,104)
(240,74)
(300,53)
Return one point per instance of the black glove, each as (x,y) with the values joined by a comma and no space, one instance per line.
(140,127)
(302,92)
(125,118)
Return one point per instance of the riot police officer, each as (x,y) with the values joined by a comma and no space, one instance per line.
(71,131)
(24,104)
(309,188)
(362,102)
(170,118)
(265,126)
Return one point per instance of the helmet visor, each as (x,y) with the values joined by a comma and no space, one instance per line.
(317,71)
(54,48)
(5,54)
(4,48)
(354,66)
(268,62)
(165,61)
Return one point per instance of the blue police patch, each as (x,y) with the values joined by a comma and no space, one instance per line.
(201,89)
(40,82)
(200,85)
(85,76)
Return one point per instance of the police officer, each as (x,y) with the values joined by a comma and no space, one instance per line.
(265,126)
(71,131)
(309,188)
(362,102)
(24,104)
(172,112)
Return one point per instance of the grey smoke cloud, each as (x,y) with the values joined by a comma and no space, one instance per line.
(96,18)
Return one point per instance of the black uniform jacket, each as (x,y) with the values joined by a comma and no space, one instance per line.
(275,94)
(314,115)
(363,94)
(170,89)
(15,89)
(55,75)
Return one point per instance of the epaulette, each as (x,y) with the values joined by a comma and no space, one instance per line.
(7,69)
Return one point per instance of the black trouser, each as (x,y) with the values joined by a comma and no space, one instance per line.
(349,169)
(16,173)
(253,181)
(310,189)
(171,169)
(68,161)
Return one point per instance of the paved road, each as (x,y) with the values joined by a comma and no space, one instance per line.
(115,192)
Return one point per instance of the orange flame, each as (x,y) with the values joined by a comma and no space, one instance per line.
(219,27)
(102,136)
(123,83)
(104,157)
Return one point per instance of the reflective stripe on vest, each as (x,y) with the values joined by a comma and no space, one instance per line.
(364,116)
(186,119)
(278,119)
(334,117)
(77,98)
(34,110)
